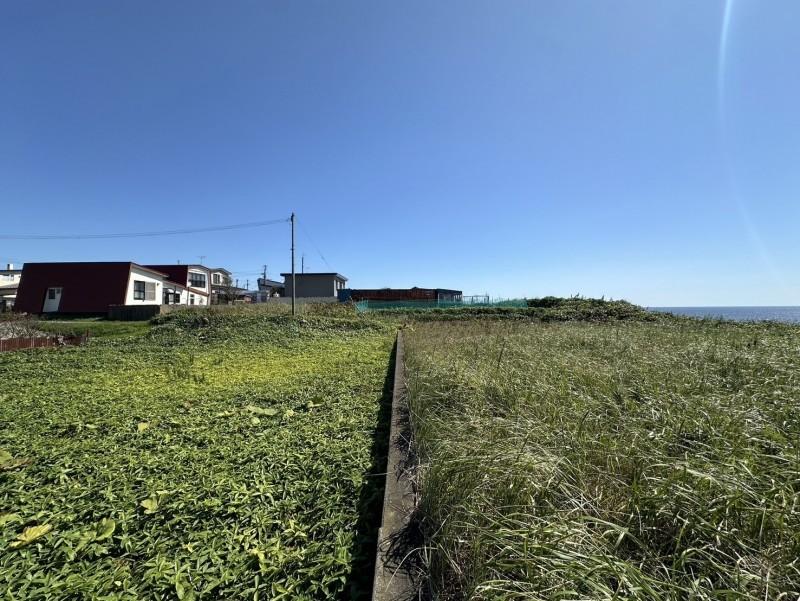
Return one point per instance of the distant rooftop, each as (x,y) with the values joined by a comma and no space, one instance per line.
(268,282)
(332,273)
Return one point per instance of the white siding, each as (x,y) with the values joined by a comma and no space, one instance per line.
(220,278)
(199,299)
(10,279)
(9,282)
(207,275)
(149,278)
(184,295)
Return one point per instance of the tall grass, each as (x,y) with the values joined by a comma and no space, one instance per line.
(546,309)
(622,460)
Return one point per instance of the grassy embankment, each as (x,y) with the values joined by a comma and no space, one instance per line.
(225,455)
(608,460)
(545,309)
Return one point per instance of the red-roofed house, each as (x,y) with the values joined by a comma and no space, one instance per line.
(87,288)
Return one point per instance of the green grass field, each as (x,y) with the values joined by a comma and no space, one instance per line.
(227,456)
(575,449)
(618,460)
(96,328)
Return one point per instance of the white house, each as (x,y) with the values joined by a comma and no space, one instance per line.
(9,283)
(145,286)
(186,284)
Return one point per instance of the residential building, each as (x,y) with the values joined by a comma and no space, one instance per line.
(270,288)
(314,285)
(402,294)
(220,277)
(186,284)
(9,283)
(87,288)
(222,288)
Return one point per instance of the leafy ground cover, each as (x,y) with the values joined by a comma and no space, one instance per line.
(217,455)
(616,460)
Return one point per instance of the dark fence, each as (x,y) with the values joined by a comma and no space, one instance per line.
(133,313)
(144,312)
(29,342)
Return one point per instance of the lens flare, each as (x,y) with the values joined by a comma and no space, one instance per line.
(744,212)
(721,61)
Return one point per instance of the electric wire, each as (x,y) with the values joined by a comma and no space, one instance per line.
(215,228)
(307,235)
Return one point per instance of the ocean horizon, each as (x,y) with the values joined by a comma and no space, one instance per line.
(785,314)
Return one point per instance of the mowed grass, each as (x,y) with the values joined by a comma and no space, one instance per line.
(217,456)
(620,460)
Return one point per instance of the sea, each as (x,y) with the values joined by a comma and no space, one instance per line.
(784,314)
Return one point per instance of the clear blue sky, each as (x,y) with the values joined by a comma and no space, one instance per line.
(637,150)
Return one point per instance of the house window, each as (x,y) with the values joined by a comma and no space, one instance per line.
(216,279)
(51,293)
(144,290)
(197,280)
(191,299)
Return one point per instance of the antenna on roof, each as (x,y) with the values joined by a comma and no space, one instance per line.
(202,258)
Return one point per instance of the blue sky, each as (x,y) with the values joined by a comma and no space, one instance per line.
(630,149)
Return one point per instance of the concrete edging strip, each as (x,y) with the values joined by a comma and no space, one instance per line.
(392,582)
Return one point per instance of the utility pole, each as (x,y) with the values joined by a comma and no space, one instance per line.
(247,286)
(303,263)
(265,273)
(294,288)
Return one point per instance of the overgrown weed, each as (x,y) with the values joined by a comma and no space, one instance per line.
(608,460)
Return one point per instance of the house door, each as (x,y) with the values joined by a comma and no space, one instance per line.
(52,300)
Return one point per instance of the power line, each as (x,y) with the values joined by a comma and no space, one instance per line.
(216,228)
(319,252)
